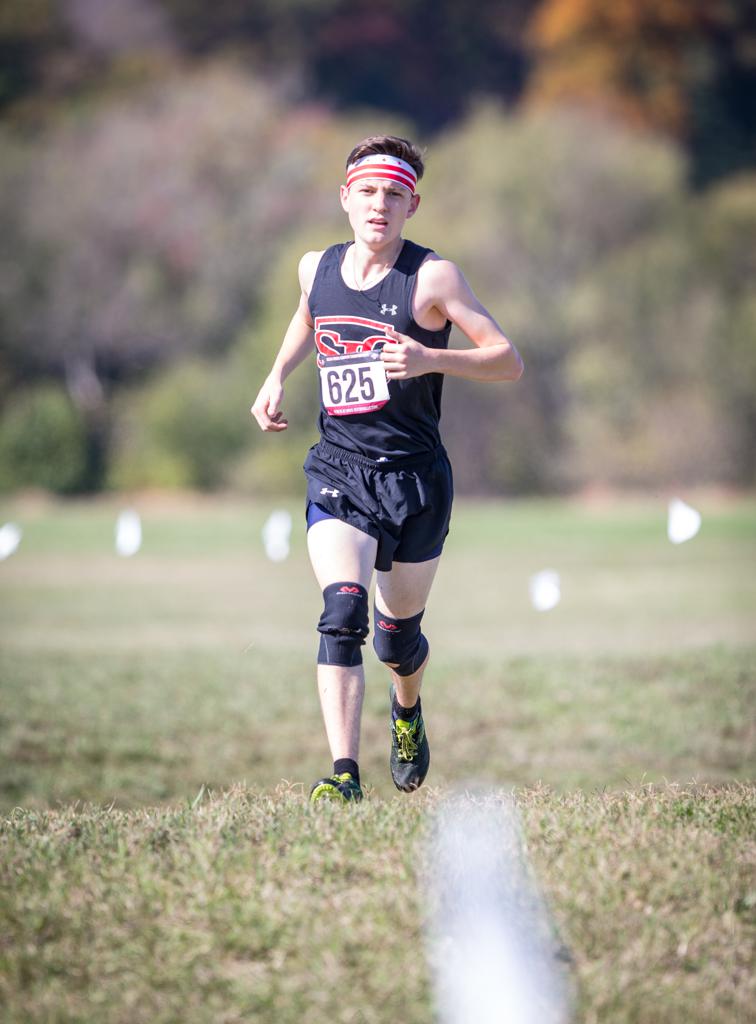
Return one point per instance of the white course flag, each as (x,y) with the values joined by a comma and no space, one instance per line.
(128,537)
(491,946)
(683,521)
(545,590)
(10,538)
(275,535)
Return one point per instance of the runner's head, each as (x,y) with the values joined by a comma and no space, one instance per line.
(379,193)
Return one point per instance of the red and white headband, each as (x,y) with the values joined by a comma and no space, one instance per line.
(379,165)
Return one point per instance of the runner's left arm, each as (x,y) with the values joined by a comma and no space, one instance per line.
(493,357)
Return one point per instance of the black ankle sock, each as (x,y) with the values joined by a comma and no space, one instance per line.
(346,764)
(407,714)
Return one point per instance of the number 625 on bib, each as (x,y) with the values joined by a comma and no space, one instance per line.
(353,384)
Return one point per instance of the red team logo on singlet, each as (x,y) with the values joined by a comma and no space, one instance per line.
(347,335)
(352,376)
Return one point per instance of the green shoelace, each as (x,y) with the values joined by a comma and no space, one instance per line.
(407,739)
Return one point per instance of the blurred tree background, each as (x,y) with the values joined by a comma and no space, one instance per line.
(165,162)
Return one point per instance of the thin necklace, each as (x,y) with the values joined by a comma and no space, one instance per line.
(388,267)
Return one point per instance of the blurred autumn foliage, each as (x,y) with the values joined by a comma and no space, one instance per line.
(686,68)
(591,167)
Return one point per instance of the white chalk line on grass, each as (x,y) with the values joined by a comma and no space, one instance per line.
(491,946)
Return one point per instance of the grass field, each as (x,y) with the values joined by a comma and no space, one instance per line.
(624,718)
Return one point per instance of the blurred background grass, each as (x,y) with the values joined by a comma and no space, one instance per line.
(138,680)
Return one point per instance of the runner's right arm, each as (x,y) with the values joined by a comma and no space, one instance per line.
(296,346)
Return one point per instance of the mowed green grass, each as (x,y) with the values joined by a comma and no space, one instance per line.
(138,680)
(624,718)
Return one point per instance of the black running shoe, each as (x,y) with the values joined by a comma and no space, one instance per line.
(337,788)
(410,753)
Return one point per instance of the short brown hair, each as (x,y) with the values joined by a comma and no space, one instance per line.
(390,145)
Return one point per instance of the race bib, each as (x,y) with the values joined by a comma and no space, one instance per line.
(353,384)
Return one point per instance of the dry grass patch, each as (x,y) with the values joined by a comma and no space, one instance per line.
(250,906)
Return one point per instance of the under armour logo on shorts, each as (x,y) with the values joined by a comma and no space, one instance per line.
(329,490)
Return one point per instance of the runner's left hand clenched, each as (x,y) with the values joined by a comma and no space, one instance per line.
(403,357)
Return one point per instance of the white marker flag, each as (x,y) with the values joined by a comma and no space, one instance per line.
(10,538)
(128,538)
(490,942)
(683,521)
(275,535)
(545,590)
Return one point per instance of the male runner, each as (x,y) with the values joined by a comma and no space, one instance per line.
(379,310)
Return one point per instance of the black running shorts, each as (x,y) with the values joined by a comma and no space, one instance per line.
(405,503)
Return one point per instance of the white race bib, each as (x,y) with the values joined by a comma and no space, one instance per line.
(353,384)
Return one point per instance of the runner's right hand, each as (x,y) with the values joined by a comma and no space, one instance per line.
(266,409)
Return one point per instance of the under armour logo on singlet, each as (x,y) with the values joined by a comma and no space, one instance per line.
(391,310)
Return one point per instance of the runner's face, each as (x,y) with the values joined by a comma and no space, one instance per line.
(377,209)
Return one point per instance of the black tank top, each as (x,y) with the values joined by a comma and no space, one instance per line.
(349,323)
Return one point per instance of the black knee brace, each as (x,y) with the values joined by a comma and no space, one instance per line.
(343,625)
(399,642)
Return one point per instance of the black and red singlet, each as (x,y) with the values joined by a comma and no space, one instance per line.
(361,411)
